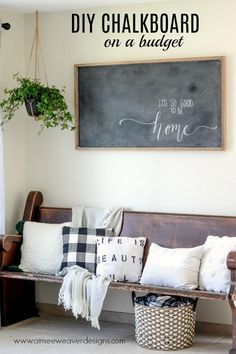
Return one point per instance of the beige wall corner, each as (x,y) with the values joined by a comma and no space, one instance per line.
(12,60)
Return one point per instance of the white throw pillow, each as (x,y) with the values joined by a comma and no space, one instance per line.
(172,267)
(214,274)
(120,258)
(42,247)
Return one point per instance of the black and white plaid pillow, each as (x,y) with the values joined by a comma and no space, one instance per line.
(80,248)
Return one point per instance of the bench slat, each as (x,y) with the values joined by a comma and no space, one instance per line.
(122,286)
(170,291)
(31,276)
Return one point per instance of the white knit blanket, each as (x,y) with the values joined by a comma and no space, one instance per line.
(108,218)
(83,293)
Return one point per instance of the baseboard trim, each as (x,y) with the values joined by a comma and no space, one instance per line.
(113,316)
(123,317)
(213,328)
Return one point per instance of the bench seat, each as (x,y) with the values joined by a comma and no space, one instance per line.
(209,295)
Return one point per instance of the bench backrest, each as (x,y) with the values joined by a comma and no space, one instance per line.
(168,230)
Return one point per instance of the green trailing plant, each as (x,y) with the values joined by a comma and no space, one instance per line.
(50,102)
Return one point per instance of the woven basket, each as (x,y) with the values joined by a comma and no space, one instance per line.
(164,328)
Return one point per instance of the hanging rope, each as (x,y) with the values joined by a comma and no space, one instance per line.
(36,50)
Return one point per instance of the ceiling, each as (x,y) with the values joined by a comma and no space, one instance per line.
(28,6)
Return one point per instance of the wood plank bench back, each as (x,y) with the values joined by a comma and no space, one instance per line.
(168,230)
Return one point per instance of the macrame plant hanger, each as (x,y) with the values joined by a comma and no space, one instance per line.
(37,53)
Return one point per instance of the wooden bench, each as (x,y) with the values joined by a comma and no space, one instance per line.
(168,230)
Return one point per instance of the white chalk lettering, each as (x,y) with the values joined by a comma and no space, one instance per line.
(162,130)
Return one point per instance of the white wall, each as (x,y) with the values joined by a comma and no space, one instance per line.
(150,180)
(12,60)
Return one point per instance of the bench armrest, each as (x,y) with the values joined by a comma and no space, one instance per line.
(231,264)
(231,260)
(9,250)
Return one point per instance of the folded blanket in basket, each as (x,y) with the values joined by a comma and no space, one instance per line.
(153,300)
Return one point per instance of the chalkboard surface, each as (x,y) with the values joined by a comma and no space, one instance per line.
(154,104)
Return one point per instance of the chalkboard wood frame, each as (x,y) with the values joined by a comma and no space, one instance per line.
(204,141)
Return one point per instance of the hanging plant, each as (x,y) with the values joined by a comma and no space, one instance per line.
(46,103)
(41,101)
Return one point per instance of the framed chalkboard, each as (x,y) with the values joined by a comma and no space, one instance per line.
(161,104)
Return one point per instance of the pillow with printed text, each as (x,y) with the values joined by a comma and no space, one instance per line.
(120,258)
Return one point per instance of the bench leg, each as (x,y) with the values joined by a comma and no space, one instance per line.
(233,309)
(17,300)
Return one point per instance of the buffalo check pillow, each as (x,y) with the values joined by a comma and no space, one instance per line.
(80,248)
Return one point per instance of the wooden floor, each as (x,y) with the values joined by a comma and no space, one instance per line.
(59,335)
